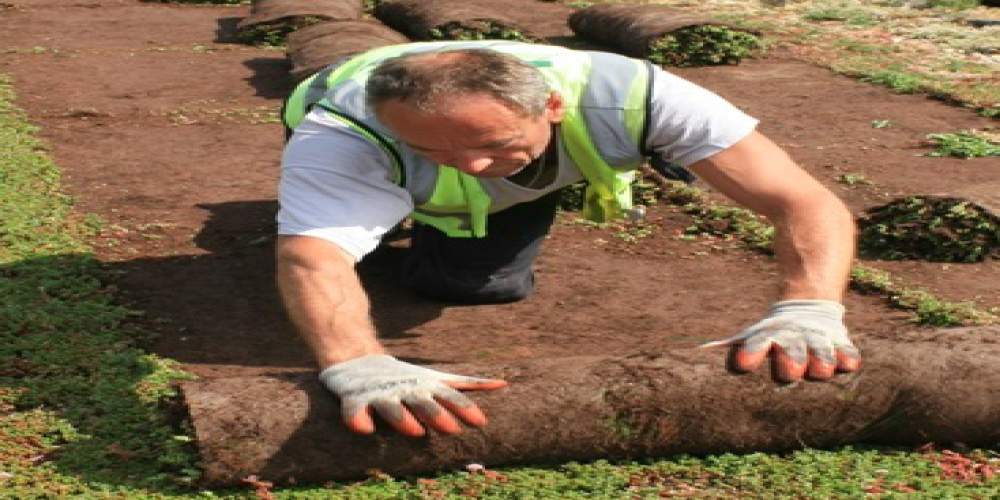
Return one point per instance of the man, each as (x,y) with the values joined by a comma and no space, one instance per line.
(474,140)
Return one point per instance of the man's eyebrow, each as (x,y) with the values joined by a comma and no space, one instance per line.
(499,143)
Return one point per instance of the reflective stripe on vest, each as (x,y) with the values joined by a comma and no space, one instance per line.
(458,204)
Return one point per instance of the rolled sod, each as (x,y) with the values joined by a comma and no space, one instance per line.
(663,34)
(270,21)
(960,227)
(922,386)
(312,48)
(454,19)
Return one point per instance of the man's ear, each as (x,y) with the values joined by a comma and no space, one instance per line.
(555,108)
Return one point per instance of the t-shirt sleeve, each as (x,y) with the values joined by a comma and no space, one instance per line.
(688,123)
(337,186)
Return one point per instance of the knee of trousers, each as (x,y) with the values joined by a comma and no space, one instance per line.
(494,289)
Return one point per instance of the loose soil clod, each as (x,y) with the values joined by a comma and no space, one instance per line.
(452,20)
(270,21)
(663,34)
(929,385)
(314,47)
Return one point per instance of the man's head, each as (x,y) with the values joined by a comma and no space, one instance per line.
(481,111)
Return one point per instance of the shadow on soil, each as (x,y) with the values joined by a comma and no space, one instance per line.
(223,308)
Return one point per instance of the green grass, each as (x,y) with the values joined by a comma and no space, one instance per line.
(929,310)
(965,144)
(82,416)
(80,403)
(845,13)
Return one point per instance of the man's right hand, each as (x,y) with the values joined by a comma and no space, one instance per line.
(403,395)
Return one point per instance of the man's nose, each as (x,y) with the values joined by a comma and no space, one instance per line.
(471,162)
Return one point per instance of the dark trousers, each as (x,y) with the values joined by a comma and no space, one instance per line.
(489,270)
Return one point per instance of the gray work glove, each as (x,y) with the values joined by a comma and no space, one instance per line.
(803,337)
(404,395)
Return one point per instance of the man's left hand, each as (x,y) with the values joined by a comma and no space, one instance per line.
(804,338)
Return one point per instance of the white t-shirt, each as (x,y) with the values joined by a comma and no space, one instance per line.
(337,186)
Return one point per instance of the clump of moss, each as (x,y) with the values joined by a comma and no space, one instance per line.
(939,229)
(275,34)
(702,46)
(484,29)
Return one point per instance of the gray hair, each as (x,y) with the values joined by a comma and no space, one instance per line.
(426,80)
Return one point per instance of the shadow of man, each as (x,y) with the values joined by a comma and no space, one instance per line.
(220,313)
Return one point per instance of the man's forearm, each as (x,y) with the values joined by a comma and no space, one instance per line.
(814,245)
(326,303)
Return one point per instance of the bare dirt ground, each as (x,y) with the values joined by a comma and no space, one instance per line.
(166,129)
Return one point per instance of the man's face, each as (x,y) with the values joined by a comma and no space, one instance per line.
(474,133)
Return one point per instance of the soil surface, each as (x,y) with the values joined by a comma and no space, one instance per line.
(164,127)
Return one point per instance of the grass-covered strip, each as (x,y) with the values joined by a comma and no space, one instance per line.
(79,403)
(850,472)
(703,46)
(965,144)
(928,309)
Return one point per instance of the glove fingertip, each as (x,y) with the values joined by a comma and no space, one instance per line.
(361,422)
(474,384)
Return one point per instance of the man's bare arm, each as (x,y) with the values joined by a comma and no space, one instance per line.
(324,299)
(814,239)
(814,244)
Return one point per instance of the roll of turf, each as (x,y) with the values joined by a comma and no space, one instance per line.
(314,47)
(271,20)
(662,34)
(920,386)
(453,20)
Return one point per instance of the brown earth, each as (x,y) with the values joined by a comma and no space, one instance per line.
(154,115)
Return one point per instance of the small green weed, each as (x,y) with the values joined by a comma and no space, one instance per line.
(703,45)
(965,144)
(899,81)
(852,179)
(881,123)
(845,13)
(954,4)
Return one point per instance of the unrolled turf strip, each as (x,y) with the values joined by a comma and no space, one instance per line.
(923,386)
(312,48)
(272,11)
(418,18)
(630,28)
